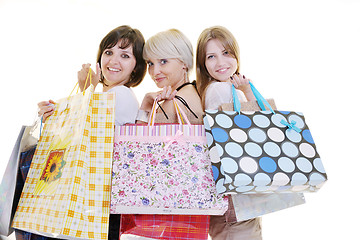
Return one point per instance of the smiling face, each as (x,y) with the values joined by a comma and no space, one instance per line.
(117,64)
(219,63)
(167,72)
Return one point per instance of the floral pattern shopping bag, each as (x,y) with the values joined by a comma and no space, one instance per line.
(163,169)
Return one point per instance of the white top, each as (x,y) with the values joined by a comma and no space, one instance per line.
(218,93)
(126,105)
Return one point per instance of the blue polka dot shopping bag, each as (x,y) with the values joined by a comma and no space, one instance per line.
(263,151)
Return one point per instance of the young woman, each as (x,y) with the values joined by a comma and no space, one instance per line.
(170,59)
(120,66)
(169,56)
(217,68)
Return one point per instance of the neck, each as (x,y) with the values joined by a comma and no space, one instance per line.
(180,83)
(110,86)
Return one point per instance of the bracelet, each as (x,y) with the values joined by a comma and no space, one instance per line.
(142,115)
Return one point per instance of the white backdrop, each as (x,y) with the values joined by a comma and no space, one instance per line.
(304,54)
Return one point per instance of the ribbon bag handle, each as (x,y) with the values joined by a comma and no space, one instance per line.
(261,101)
(182,118)
(259,98)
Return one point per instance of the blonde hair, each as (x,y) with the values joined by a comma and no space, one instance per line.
(170,44)
(203,78)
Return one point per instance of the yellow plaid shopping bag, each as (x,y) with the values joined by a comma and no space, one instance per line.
(67,191)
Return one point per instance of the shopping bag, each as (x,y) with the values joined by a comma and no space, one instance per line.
(67,191)
(163,169)
(165,227)
(262,151)
(9,193)
(13,178)
(248,206)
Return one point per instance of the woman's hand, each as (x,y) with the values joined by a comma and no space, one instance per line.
(46,108)
(166,94)
(242,83)
(149,98)
(83,73)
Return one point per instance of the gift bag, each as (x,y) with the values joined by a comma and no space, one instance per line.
(165,226)
(262,151)
(67,191)
(9,193)
(163,169)
(248,206)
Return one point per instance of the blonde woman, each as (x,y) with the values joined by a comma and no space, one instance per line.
(169,56)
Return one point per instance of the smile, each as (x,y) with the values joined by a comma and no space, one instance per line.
(113,69)
(222,70)
(159,79)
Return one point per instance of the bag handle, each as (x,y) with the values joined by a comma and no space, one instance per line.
(182,118)
(259,98)
(261,101)
(77,87)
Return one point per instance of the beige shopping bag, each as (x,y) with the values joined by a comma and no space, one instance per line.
(67,191)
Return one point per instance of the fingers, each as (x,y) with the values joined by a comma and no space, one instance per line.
(96,76)
(83,74)
(46,115)
(167,94)
(173,94)
(239,80)
(46,108)
(98,70)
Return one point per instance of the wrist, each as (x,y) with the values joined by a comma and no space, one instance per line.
(142,115)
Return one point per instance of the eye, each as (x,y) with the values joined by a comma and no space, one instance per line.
(163,61)
(108,52)
(210,56)
(226,53)
(150,64)
(125,56)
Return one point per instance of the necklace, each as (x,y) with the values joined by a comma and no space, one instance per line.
(183,85)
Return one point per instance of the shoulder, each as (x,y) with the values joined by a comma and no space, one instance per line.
(219,88)
(123,92)
(121,89)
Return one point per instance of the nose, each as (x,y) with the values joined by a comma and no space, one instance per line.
(115,58)
(156,69)
(220,60)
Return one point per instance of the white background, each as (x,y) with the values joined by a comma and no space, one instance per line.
(305,54)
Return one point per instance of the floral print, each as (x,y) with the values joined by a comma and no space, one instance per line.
(174,176)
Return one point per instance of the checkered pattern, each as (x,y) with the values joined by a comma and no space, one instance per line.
(77,203)
(166,226)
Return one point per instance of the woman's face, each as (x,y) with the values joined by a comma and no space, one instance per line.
(218,61)
(167,72)
(117,64)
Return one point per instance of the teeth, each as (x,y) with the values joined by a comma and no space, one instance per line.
(222,70)
(114,69)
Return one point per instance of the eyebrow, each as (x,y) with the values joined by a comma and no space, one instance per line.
(125,51)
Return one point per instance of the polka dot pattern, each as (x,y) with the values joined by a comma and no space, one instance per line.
(256,152)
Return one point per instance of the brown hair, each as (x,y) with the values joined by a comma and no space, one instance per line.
(203,78)
(129,36)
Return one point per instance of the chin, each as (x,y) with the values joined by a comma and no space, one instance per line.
(159,85)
